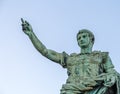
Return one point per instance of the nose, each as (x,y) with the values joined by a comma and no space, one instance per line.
(81,40)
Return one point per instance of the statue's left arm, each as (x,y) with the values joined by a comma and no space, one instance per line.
(110,72)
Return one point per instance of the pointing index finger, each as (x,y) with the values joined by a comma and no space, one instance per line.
(22,20)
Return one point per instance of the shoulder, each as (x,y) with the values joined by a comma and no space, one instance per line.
(64,54)
(100,53)
(103,55)
(74,54)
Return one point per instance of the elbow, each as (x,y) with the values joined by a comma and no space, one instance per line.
(44,52)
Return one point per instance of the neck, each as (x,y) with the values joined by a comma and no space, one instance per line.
(86,50)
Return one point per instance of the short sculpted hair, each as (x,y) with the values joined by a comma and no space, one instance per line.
(92,38)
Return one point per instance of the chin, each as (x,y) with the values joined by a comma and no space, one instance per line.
(83,46)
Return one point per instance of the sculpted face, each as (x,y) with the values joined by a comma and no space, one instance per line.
(83,40)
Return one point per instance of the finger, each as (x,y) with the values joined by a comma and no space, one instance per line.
(108,84)
(22,20)
(27,23)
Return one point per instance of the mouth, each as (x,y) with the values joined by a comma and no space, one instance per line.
(82,42)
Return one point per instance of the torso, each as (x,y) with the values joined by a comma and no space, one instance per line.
(83,67)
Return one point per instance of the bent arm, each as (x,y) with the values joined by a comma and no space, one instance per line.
(50,54)
(110,73)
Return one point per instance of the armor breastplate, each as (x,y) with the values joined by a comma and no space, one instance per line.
(84,66)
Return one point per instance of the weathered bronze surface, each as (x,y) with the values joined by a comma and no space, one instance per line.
(89,72)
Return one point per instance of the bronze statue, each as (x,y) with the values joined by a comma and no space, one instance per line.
(89,72)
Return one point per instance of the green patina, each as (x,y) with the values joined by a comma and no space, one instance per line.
(89,72)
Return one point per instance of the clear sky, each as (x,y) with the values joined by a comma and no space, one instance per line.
(56,22)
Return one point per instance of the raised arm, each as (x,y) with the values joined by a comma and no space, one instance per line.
(50,54)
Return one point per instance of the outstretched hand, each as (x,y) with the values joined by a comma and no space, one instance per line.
(26,27)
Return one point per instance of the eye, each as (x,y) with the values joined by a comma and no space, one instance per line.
(84,36)
(79,38)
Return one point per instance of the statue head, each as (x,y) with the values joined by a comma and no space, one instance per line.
(85,38)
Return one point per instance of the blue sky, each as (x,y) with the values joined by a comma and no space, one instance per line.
(56,22)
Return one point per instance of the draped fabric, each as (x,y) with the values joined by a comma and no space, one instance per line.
(87,74)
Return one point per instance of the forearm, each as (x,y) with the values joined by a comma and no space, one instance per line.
(37,43)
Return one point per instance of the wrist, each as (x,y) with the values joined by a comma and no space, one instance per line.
(30,34)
